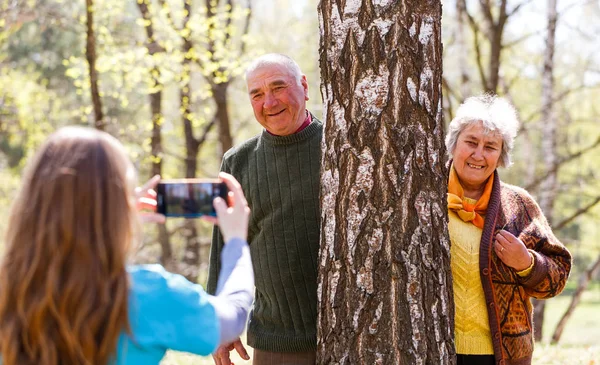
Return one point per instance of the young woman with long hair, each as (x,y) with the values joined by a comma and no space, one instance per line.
(67,295)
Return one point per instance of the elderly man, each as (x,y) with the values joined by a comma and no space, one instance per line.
(279,173)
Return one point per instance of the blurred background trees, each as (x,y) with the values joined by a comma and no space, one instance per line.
(170,86)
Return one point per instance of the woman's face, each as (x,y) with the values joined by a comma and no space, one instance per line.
(476,155)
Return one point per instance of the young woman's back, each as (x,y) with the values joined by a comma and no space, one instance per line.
(66,295)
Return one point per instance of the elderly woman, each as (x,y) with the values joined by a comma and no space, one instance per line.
(503,251)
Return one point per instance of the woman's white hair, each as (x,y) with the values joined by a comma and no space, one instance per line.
(497,116)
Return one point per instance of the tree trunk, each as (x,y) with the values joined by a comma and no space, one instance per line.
(191,256)
(155,96)
(222,114)
(575,299)
(385,286)
(90,54)
(463,50)
(549,186)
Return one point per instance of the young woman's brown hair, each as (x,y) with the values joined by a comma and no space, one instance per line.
(63,280)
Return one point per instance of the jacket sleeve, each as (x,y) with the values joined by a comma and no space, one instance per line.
(552,259)
(214,264)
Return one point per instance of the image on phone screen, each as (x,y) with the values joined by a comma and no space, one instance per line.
(189,198)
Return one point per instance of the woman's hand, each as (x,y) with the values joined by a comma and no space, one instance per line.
(512,251)
(146,201)
(232,220)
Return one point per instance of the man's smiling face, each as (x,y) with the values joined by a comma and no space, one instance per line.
(278,98)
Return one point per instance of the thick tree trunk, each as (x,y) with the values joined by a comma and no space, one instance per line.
(90,54)
(575,299)
(549,186)
(385,287)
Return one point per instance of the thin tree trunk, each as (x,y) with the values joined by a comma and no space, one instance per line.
(166,258)
(550,185)
(222,114)
(191,256)
(463,50)
(90,54)
(385,286)
(584,280)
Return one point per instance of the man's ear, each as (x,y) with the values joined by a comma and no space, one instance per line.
(305,87)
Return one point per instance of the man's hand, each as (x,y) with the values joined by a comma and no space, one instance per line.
(221,356)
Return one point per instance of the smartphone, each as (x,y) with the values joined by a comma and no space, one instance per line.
(189,198)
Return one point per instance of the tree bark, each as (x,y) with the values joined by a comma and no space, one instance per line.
(584,280)
(550,185)
(90,55)
(385,286)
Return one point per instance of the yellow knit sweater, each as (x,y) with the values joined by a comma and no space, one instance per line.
(472,329)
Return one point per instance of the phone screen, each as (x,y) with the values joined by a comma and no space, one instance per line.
(189,198)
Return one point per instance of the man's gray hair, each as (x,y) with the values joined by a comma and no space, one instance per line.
(275,59)
(496,114)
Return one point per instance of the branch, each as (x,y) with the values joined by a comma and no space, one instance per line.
(516,8)
(486,9)
(205,132)
(579,212)
(521,39)
(246,28)
(557,98)
(475,29)
(164,5)
(561,162)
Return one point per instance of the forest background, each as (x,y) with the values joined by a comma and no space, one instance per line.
(167,80)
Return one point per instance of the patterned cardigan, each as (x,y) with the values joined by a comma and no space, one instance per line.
(507,294)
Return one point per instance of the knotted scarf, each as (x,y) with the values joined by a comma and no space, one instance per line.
(467,211)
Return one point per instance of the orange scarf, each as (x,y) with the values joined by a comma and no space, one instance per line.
(466,211)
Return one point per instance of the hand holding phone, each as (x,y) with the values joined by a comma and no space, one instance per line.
(232,220)
(189,198)
(146,201)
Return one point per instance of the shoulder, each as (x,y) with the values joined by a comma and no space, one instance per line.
(242,149)
(153,286)
(517,193)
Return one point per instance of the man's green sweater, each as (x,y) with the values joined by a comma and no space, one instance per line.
(280,178)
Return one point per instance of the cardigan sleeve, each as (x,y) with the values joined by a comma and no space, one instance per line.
(552,259)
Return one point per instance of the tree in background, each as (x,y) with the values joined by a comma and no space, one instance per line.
(385,288)
(90,55)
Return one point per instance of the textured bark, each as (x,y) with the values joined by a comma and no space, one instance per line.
(584,280)
(385,287)
(90,55)
(155,96)
(549,187)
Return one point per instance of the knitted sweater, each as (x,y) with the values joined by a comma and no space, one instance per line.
(507,294)
(280,178)
(471,324)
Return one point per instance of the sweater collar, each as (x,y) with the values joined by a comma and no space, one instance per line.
(312,129)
